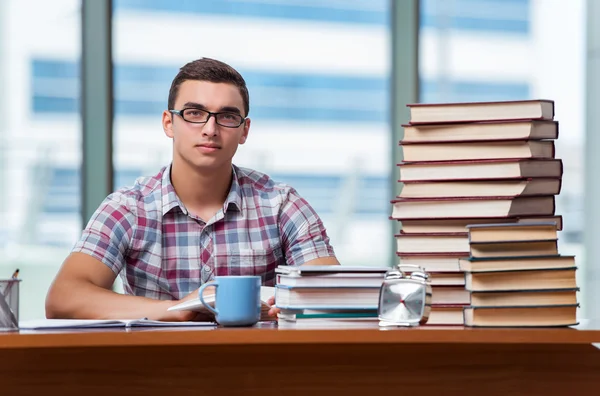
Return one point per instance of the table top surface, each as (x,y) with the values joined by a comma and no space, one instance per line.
(268,333)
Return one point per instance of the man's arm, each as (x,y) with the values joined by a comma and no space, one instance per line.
(323,261)
(82,290)
(304,237)
(82,287)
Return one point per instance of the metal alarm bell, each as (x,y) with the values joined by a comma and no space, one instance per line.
(404,300)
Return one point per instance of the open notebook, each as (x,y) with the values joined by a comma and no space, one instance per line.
(46,324)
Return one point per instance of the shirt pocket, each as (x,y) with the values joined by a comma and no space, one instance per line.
(260,262)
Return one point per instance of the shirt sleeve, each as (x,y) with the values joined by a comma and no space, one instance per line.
(108,234)
(303,234)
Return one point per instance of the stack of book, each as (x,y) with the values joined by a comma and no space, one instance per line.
(471,163)
(517,278)
(325,295)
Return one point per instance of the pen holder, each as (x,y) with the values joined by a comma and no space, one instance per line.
(9,304)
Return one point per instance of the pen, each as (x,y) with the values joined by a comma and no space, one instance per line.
(9,286)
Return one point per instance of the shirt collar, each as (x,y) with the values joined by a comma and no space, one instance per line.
(170,199)
(235,192)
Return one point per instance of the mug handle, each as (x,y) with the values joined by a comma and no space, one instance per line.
(201,296)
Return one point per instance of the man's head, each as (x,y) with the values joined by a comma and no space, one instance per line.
(203,139)
(211,70)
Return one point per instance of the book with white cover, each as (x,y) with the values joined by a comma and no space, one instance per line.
(332,280)
(323,298)
(48,324)
(331,269)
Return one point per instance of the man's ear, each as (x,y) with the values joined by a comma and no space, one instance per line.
(167,123)
(244,136)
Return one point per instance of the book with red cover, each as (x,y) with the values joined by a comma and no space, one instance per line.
(461,151)
(522,316)
(445,225)
(433,244)
(454,208)
(480,131)
(449,295)
(447,263)
(481,188)
(531,109)
(480,169)
(445,278)
(433,254)
(446,315)
(517,249)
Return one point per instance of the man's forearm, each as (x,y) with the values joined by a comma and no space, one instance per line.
(330,260)
(81,300)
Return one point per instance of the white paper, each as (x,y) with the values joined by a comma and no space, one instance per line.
(266,292)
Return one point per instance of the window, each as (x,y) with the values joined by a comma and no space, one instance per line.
(319,112)
(479,50)
(39,142)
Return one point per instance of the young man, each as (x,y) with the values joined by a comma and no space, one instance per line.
(199,217)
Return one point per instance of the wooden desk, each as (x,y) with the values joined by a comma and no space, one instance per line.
(271,361)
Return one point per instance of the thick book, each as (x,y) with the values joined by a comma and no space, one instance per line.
(49,324)
(524,316)
(441,225)
(333,280)
(487,264)
(446,278)
(304,270)
(489,131)
(456,208)
(294,315)
(479,169)
(523,231)
(291,297)
(510,149)
(449,295)
(431,263)
(446,315)
(554,278)
(507,249)
(535,109)
(430,244)
(480,188)
(525,297)
(329,323)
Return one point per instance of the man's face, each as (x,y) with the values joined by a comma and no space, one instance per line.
(209,145)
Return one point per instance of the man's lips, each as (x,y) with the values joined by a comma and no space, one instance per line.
(207,148)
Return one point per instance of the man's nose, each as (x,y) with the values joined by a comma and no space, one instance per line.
(210,128)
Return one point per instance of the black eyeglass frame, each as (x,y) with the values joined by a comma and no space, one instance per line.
(210,114)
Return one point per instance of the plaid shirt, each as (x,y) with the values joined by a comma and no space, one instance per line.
(164,252)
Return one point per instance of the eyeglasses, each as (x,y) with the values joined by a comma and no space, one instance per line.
(198,116)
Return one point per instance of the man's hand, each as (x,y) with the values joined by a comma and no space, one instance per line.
(273,311)
(187,316)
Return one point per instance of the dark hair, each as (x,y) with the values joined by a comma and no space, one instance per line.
(206,69)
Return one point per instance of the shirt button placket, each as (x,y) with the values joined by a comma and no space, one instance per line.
(203,243)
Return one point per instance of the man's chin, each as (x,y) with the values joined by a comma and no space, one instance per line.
(208,165)
(203,163)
